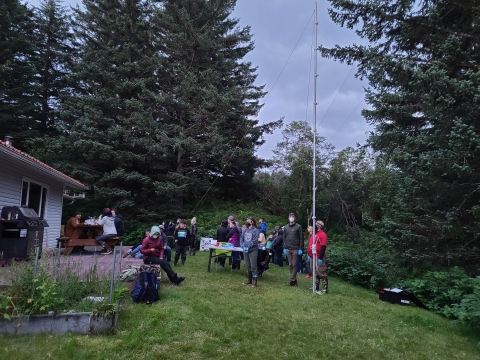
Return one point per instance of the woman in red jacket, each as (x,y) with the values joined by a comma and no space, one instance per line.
(320,244)
(152,250)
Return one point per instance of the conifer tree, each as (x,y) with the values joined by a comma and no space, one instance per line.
(54,55)
(209,97)
(16,71)
(422,65)
(112,131)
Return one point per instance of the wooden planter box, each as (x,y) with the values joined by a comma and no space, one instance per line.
(73,323)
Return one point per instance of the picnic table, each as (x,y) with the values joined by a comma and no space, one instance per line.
(223,249)
(91,232)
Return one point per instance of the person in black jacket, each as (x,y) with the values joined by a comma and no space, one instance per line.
(181,237)
(222,237)
(278,249)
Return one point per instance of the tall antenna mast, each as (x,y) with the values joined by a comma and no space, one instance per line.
(315,75)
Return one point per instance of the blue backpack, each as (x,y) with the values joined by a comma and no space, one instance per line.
(146,288)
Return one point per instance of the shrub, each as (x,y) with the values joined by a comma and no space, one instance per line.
(451,293)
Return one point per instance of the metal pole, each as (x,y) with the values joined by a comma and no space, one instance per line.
(121,257)
(315,75)
(36,263)
(113,274)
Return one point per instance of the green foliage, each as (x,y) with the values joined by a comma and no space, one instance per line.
(421,62)
(452,293)
(366,264)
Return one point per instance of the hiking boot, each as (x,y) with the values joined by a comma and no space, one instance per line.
(183,263)
(178,280)
(293,283)
(254,282)
(321,292)
(125,254)
(249,279)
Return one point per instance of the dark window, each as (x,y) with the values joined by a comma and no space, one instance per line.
(34,196)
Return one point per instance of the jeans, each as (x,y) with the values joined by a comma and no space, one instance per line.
(300,264)
(168,253)
(136,252)
(163,264)
(278,256)
(101,239)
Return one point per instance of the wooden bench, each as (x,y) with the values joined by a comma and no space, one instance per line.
(84,235)
(71,243)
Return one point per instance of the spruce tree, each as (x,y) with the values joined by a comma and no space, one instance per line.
(422,65)
(54,55)
(16,71)
(112,135)
(209,98)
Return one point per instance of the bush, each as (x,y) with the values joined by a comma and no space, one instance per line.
(451,293)
(358,265)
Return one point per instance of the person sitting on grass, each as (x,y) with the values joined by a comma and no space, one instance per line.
(153,250)
(135,250)
(109,230)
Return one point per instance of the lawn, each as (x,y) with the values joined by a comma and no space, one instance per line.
(213,316)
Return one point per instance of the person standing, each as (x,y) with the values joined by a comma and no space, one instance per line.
(249,243)
(232,238)
(293,246)
(222,232)
(181,236)
(153,250)
(193,236)
(278,248)
(319,242)
(309,250)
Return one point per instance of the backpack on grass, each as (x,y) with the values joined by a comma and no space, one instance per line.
(146,288)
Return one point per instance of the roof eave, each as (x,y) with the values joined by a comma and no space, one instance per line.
(67,181)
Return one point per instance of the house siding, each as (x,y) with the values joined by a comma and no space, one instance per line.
(11,176)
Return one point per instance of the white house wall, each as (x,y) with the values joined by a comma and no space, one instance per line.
(11,176)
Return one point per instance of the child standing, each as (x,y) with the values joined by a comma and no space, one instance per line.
(263,226)
(181,237)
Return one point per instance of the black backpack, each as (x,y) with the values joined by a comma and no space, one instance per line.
(119,225)
(146,288)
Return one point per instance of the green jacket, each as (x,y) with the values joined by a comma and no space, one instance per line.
(293,237)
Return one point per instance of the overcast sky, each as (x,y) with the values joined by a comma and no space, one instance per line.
(276,26)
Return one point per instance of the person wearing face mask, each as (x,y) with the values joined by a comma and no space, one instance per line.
(153,251)
(293,246)
(249,243)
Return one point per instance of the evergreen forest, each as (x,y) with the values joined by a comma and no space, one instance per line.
(153,105)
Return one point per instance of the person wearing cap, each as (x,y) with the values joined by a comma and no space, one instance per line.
(193,236)
(319,242)
(293,246)
(153,251)
(109,230)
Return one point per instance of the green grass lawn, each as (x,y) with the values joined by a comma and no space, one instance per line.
(212,315)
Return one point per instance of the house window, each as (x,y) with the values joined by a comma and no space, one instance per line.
(34,196)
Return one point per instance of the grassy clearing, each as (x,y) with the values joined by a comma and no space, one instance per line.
(212,315)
